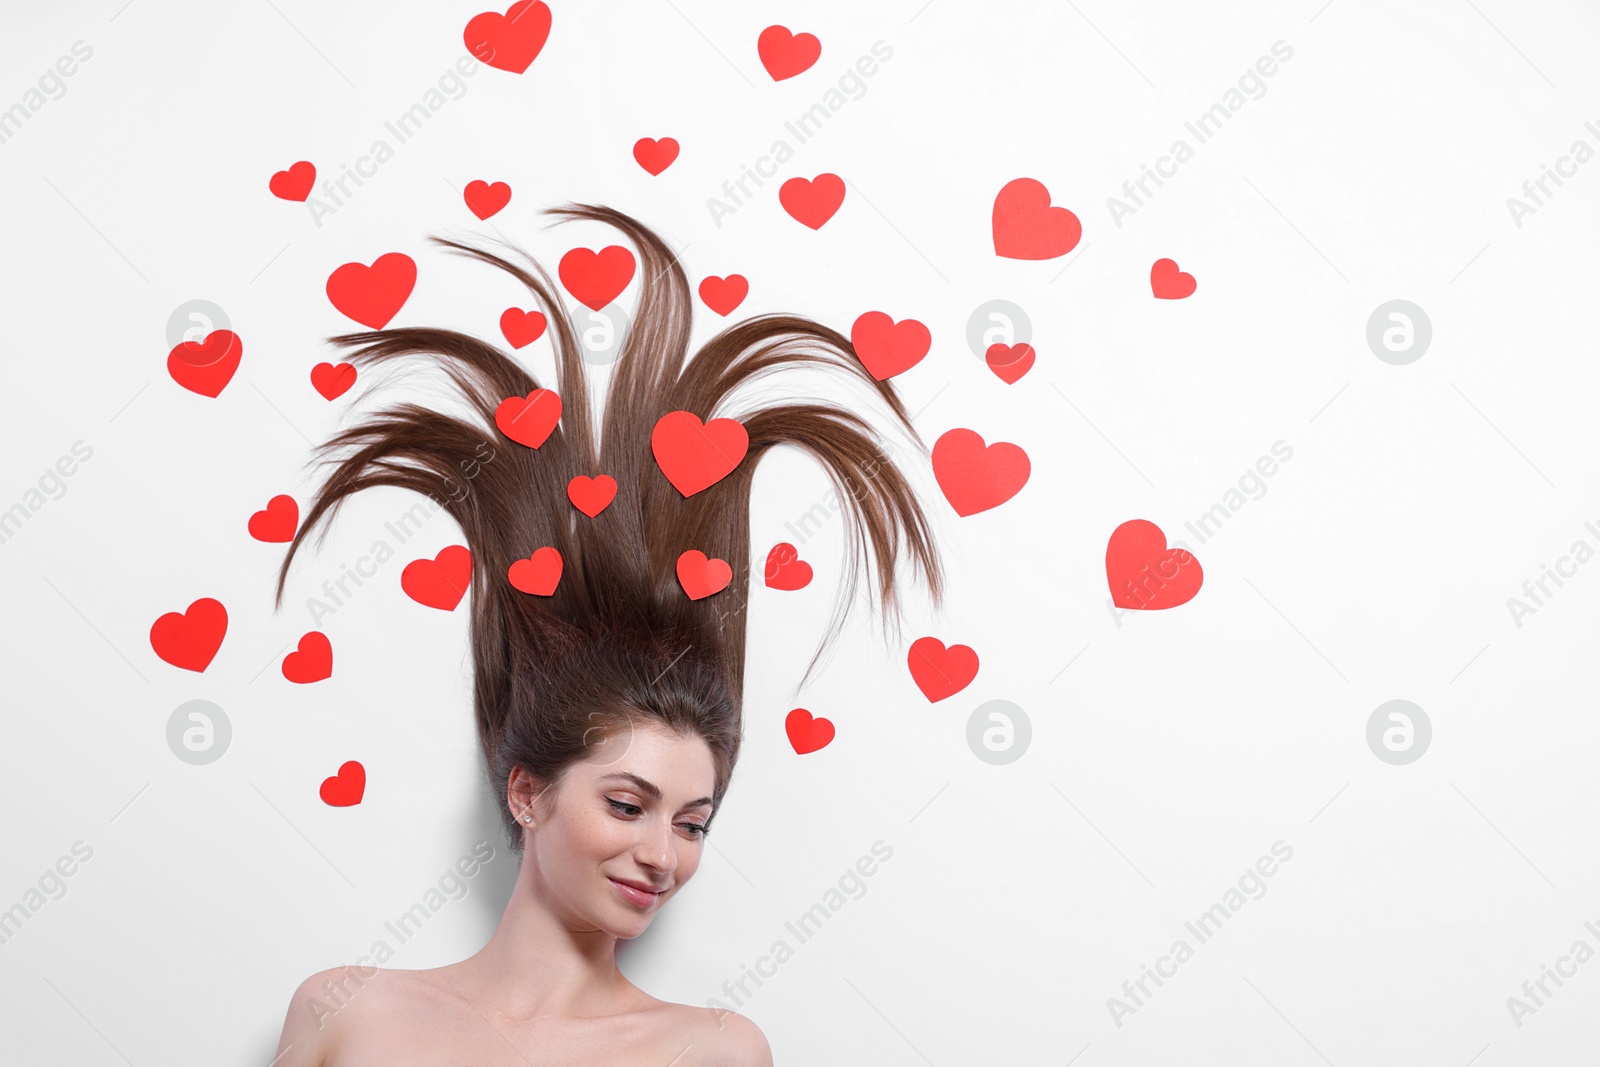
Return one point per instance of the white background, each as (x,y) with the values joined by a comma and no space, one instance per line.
(1170,754)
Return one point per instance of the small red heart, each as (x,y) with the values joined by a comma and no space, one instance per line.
(189,639)
(812,201)
(312,659)
(520,327)
(333,381)
(807,734)
(511,41)
(596,278)
(538,574)
(722,295)
(939,671)
(277,521)
(592,495)
(206,366)
(786,54)
(294,183)
(439,582)
(653,155)
(695,455)
(785,568)
(701,577)
(1009,362)
(976,477)
(1027,227)
(1167,282)
(483,199)
(1144,573)
(372,295)
(529,420)
(345,788)
(886,347)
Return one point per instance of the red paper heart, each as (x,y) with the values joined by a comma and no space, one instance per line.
(333,381)
(1027,227)
(439,582)
(939,671)
(345,788)
(312,659)
(596,278)
(484,199)
(294,183)
(975,477)
(511,41)
(653,155)
(1009,362)
(277,521)
(522,327)
(372,295)
(538,574)
(722,295)
(1167,282)
(1144,573)
(807,734)
(812,202)
(701,577)
(206,366)
(786,54)
(189,639)
(785,569)
(695,455)
(887,347)
(592,495)
(529,420)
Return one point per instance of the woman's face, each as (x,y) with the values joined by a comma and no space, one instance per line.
(632,815)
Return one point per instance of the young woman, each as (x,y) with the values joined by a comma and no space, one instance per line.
(609,712)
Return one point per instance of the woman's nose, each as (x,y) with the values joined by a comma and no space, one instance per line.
(655,846)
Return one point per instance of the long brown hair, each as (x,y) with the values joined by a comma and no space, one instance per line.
(619,640)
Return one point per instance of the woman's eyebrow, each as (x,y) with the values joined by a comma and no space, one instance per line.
(649,788)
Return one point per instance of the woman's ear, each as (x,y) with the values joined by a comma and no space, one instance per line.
(522,788)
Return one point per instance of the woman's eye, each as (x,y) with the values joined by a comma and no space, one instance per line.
(695,829)
(626,809)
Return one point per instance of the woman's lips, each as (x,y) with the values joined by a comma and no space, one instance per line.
(635,895)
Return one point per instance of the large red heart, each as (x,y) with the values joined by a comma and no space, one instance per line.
(695,455)
(939,671)
(722,295)
(807,734)
(522,327)
(975,477)
(294,183)
(511,41)
(653,155)
(206,366)
(372,295)
(812,201)
(786,54)
(312,659)
(1167,282)
(529,420)
(439,582)
(484,199)
(333,381)
(277,521)
(1027,227)
(701,577)
(1009,362)
(596,278)
(189,639)
(345,788)
(887,347)
(592,495)
(785,569)
(538,574)
(1144,573)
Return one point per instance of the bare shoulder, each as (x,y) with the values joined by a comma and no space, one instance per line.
(330,1005)
(725,1038)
